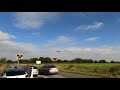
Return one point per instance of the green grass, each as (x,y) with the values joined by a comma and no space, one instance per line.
(109,70)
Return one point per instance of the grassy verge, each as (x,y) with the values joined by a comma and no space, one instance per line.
(104,70)
(3,67)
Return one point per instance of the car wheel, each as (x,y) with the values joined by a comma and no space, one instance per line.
(57,73)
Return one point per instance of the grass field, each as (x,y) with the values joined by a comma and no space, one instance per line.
(105,70)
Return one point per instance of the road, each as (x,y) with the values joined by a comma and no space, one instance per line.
(66,75)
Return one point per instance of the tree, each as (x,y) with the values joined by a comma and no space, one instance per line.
(112,62)
(10,61)
(24,61)
(42,59)
(65,61)
(78,60)
(90,61)
(95,61)
(33,60)
(117,62)
(102,61)
(16,62)
(59,61)
(47,60)
(3,60)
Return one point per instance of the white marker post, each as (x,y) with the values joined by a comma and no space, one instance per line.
(18,62)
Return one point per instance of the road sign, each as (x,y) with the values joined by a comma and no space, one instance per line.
(54,59)
(19,56)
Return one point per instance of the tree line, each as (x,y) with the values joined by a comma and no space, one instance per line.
(49,60)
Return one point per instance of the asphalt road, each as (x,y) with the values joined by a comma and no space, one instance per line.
(66,75)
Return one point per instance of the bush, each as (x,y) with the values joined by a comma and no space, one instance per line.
(114,69)
(8,66)
(2,68)
(3,60)
(70,66)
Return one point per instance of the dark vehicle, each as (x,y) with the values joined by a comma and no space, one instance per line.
(48,69)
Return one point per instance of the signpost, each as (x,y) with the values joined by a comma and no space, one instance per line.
(19,56)
(54,59)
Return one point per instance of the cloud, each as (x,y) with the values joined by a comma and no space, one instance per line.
(34,20)
(64,39)
(94,26)
(9,49)
(92,39)
(103,52)
(96,53)
(5,36)
(60,40)
(98,50)
(36,33)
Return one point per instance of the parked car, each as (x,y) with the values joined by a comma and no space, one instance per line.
(34,70)
(15,73)
(48,69)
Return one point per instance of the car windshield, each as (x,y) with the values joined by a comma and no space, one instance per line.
(34,67)
(14,73)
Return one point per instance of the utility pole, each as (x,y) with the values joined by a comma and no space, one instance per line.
(18,62)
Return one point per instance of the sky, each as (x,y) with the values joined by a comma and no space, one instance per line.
(87,35)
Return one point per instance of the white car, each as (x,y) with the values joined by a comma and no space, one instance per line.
(34,70)
(15,73)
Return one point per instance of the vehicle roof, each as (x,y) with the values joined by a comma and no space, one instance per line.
(14,69)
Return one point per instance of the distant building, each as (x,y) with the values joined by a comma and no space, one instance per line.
(38,62)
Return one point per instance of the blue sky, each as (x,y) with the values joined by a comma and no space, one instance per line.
(87,35)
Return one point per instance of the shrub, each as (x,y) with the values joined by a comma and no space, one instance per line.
(114,69)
